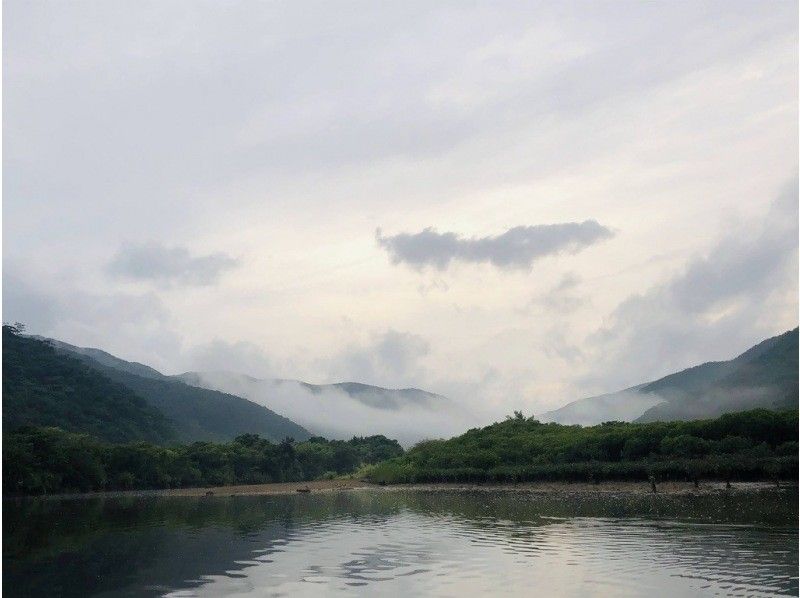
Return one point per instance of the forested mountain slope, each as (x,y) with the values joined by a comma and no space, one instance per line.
(43,387)
(763,376)
(197,413)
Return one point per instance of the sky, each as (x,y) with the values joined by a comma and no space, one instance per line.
(514,205)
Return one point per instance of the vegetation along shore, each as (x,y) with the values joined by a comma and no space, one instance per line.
(758,445)
(750,445)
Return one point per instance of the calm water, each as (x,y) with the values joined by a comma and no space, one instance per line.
(402,543)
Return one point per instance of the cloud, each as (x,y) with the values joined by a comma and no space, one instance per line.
(242,356)
(719,304)
(135,326)
(169,266)
(518,247)
(556,345)
(530,115)
(24,303)
(562,298)
(390,359)
(334,413)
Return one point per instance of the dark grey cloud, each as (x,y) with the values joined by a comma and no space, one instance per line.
(518,247)
(169,265)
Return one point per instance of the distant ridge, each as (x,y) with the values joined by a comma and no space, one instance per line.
(346,409)
(766,375)
(106,359)
(373,396)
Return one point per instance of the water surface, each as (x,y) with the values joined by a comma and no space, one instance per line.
(403,543)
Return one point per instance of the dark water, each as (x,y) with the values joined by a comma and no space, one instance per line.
(403,543)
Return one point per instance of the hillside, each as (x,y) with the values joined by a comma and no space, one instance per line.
(43,387)
(197,413)
(625,405)
(763,376)
(109,360)
(346,409)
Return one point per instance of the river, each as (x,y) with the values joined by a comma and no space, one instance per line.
(370,542)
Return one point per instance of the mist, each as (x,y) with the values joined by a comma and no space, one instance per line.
(625,405)
(333,413)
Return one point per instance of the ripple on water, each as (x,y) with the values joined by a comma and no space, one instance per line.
(396,543)
(564,557)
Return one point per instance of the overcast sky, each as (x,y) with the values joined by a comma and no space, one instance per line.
(512,204)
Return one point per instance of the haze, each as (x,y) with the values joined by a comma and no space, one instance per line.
(513,207)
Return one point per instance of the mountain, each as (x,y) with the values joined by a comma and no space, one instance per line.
(346,409)
(196,413)
(763,376)
(44,387)
(624,405)
(378,397)
(372,396)
(107,359)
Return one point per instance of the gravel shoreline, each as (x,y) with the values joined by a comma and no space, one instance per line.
(550,488)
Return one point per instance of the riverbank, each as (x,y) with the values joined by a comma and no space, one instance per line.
(582,488)
(544,488)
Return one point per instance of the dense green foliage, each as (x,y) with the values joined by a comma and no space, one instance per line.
(48,460)
(757,444)
(43,387)
(197,413)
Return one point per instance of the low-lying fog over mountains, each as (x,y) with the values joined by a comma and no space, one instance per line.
(219,405)
(348,408)
(336,411)
(763,376)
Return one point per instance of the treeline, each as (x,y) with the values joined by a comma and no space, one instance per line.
(50,460)
(750,445)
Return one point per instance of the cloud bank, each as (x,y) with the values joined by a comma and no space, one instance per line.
(169,266)
(333,413)
(518,247)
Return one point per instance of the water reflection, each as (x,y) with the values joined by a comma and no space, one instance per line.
(402,543)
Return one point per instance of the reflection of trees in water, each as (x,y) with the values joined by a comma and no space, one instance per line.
(75,548)
(93,545)
(78,547)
